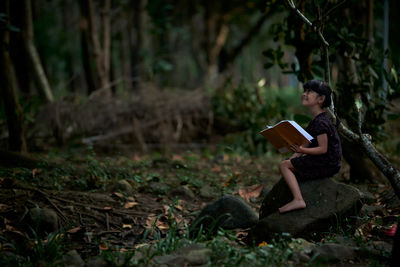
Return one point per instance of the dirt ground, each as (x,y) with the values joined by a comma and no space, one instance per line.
(95,211)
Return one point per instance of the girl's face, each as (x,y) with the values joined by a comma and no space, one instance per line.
(310,98)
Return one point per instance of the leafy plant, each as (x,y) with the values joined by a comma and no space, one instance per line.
(248,108)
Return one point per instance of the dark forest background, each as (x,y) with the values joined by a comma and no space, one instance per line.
(162,92)
(237,65)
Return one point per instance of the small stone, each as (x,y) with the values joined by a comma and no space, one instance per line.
(184,192)
(198,256)
(334,252)
(208,192)
(96,262)
(43,219)
(157,188)
(72,259)
(122,186)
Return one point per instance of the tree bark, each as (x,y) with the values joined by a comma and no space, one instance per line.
(125,55)
(36,67)
(8,87)
(85,52)
(105,18)
(97,53)
(17,51)
(67,22)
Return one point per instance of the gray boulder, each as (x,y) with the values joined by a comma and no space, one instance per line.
(329,204)
(228,212)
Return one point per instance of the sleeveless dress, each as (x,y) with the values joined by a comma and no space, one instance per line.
(308,167)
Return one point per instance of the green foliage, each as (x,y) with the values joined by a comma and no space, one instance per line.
(249,108)
(348,40)
(226,253)
(36,252)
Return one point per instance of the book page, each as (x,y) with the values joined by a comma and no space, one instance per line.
(301,130)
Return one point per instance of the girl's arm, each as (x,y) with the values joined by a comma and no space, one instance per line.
(322,147)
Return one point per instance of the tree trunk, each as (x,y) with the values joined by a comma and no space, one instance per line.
(360,169)
(97,55)
(8,87)
(105,18)
(85,52)
(17,51)
(67,22)
(36,67)
(125,55)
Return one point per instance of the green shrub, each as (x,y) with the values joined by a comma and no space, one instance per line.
(249,108)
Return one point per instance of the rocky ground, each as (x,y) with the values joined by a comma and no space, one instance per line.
(139,210)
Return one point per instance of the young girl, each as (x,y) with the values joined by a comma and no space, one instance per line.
(322,157)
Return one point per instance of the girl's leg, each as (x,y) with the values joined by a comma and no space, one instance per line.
(298,201)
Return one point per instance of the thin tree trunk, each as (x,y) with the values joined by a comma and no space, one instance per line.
(95,44)
(106,39)
(125,56)
(8,87)
(67,9)
(85,52)
(36,66)
(17,51)
(97,54)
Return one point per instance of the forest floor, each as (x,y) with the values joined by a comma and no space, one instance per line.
(107,205)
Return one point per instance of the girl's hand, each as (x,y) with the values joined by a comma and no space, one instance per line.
(296,148)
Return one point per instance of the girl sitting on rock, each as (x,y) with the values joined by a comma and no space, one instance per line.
(322,157)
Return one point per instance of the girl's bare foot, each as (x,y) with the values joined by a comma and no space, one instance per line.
(293,205)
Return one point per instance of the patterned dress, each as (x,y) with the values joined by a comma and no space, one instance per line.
(308,167)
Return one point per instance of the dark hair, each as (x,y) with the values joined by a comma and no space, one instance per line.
(321,88)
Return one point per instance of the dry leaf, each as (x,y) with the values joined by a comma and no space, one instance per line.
(3,207)
(141,245)
(177,157)
(35,172)
(74,230)
(129,205)
(227,181)
(263,244)
(251,191)
(130,199)
(216,169)
(103,247)
(118,194)
(150,220)
(107,208)
(162,226)
(126,226)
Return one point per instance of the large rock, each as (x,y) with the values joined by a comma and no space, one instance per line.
(228,212)
(328,204)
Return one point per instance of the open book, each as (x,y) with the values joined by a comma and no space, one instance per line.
(286,133)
